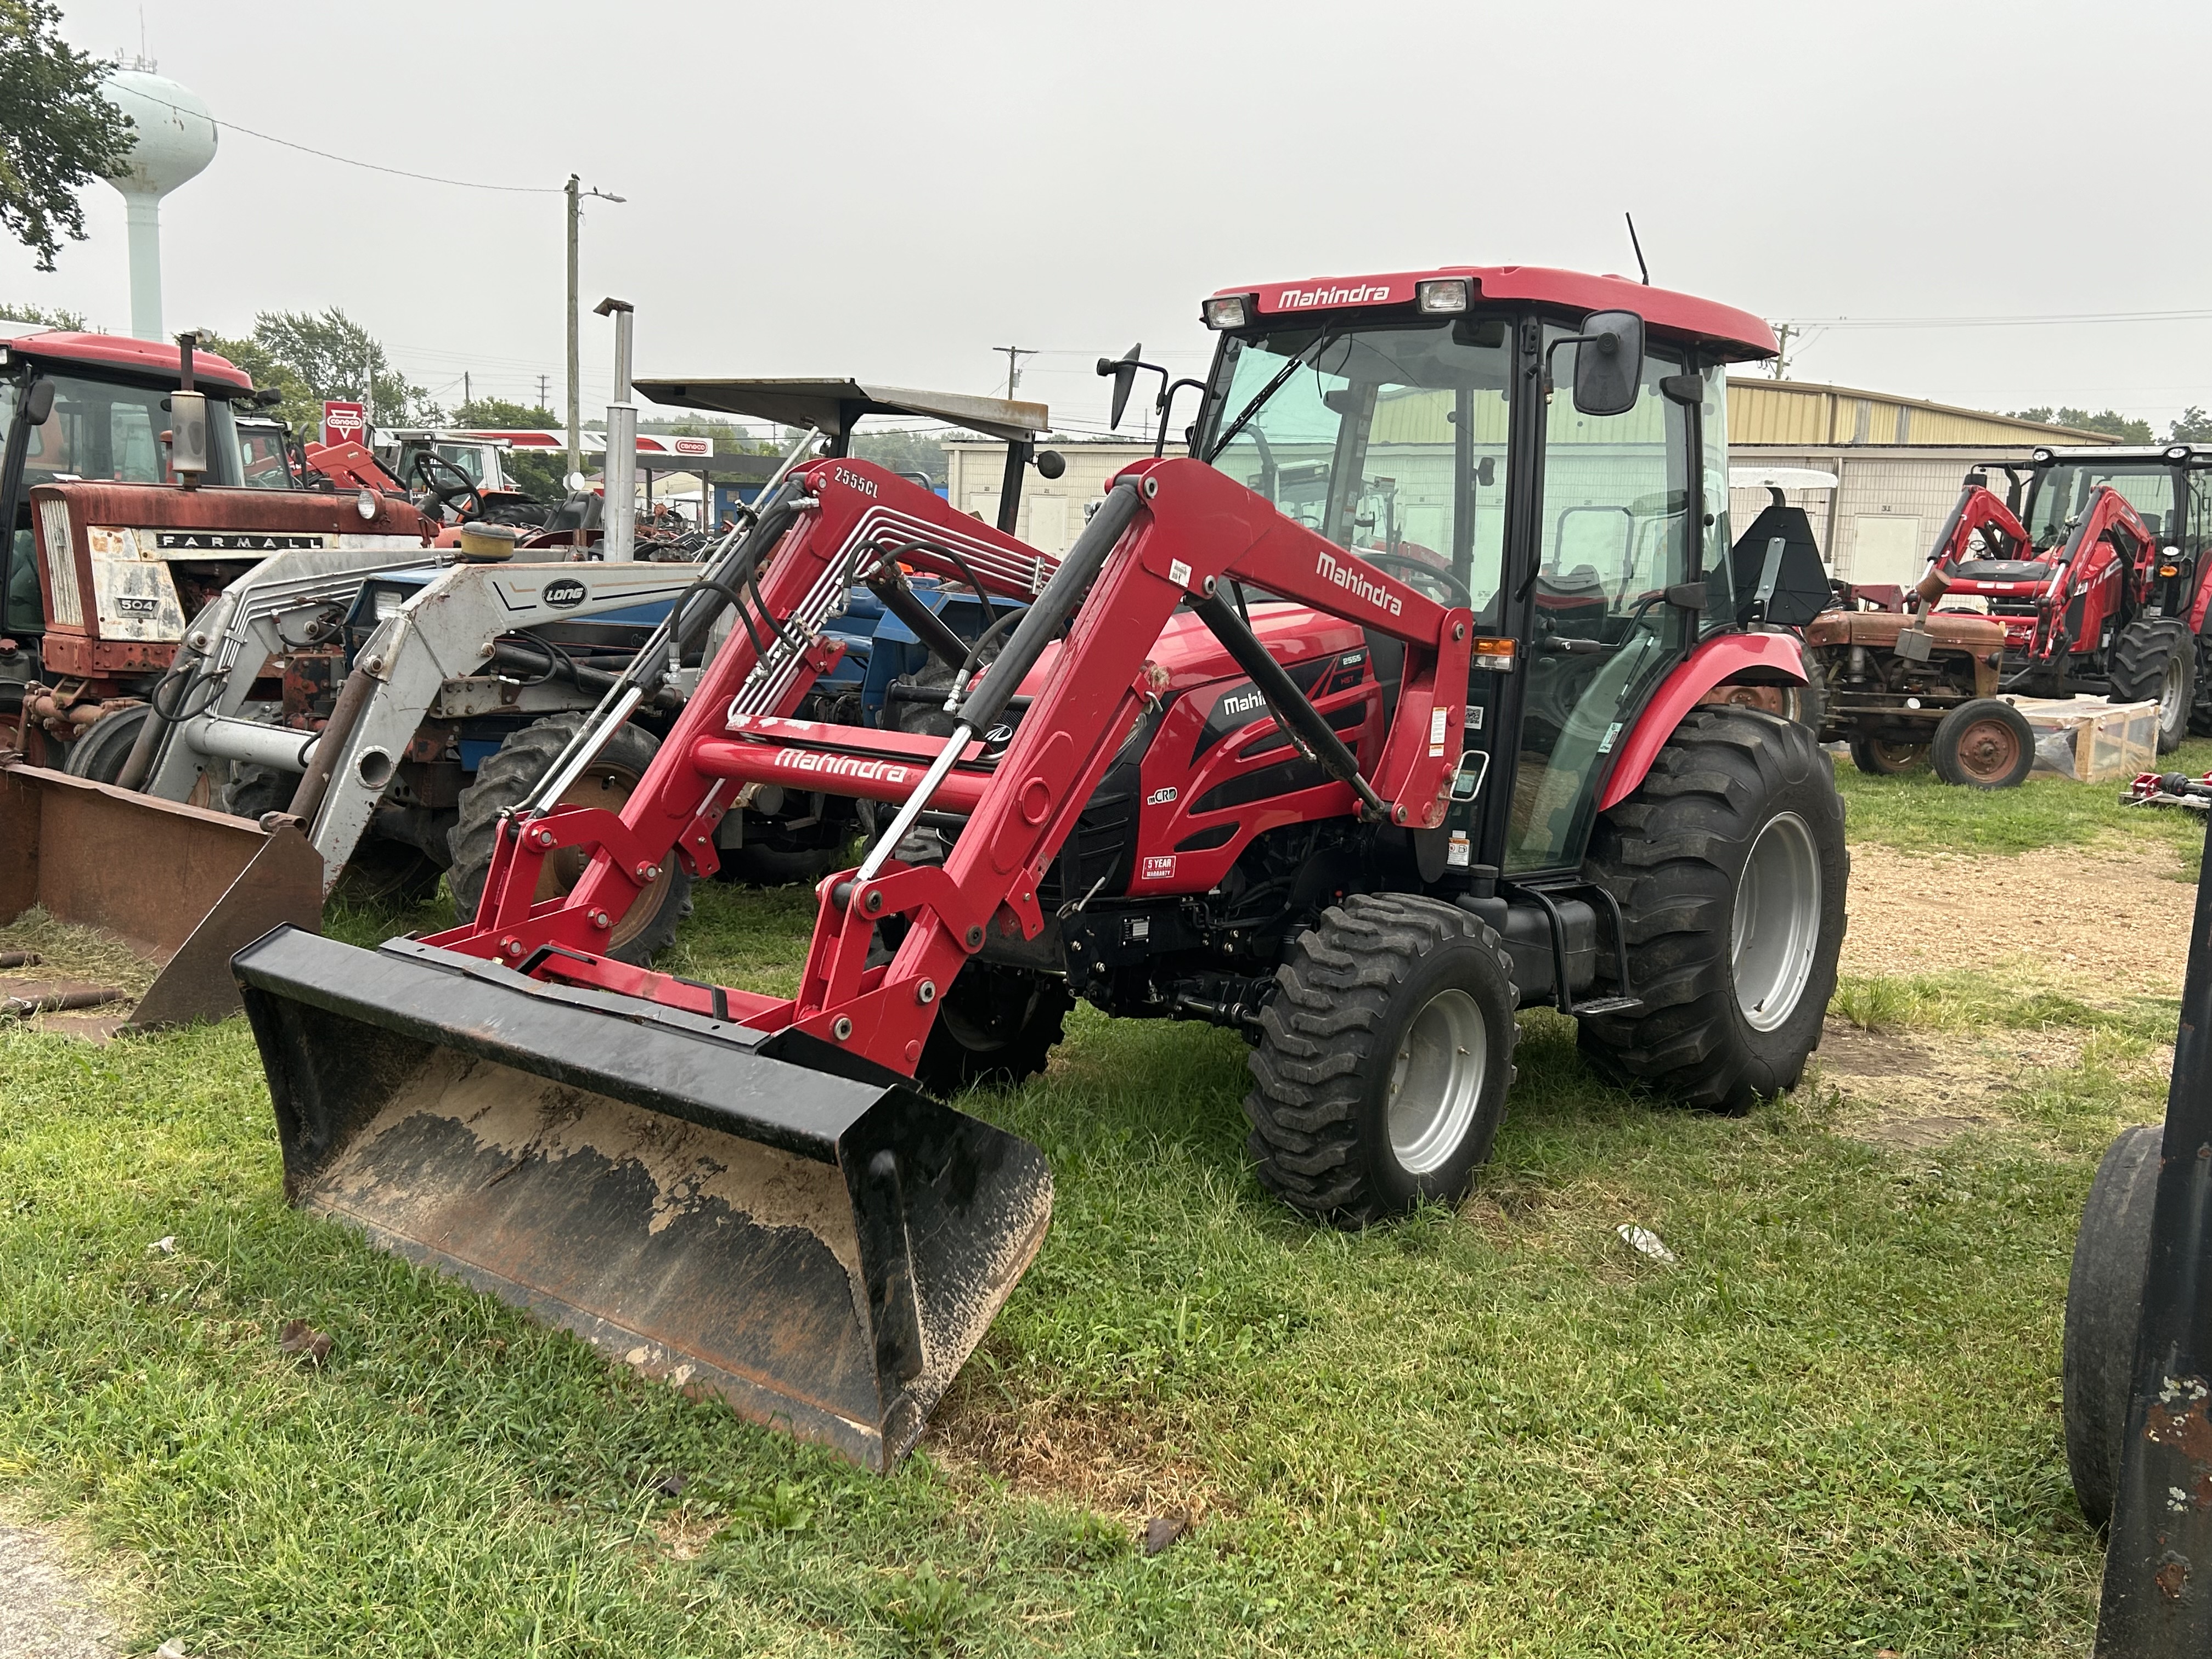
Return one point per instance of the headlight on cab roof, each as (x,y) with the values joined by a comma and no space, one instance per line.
(1442,293)
(1227,311)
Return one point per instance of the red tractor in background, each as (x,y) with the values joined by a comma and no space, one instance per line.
(2094,565)
(1235,762)
(118,537)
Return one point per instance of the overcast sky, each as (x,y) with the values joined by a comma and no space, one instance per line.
(890,191)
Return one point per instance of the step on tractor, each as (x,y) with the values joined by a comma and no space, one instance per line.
(2094,564)
(1234,763)
(124,491)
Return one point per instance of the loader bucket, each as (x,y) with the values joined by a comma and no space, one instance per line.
(821,1248)
(180,887)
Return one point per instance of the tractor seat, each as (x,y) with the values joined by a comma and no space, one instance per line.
(1953,630)
(2000,570)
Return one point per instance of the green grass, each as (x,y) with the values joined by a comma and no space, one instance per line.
(1831,1427)
(1918,812)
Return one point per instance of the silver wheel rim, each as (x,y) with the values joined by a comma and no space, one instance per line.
(1778,922)
(1436,1081)
(2170,710)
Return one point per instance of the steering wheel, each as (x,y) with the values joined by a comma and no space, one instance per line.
(1451,589)
(447,485)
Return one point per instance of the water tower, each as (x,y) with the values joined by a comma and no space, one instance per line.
(173,139)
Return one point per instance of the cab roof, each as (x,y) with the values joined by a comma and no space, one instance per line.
(1723,331)
(155,360)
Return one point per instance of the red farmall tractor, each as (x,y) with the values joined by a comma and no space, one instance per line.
(1411,697)
(2094,565)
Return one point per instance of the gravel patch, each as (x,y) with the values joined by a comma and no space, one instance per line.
(47,1611)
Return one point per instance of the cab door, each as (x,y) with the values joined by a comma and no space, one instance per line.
(1610,518)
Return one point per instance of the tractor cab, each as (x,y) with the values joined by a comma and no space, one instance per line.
(1548,451)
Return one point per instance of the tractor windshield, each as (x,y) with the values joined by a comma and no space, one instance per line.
(2063,494)
(1389,441)
(110,431)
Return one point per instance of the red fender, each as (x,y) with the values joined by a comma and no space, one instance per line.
(1721,658)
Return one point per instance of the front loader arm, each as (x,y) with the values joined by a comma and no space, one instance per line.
(1979,510)
(1171,531)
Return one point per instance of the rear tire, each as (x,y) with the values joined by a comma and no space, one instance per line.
(2103,1303)
(2155,661)
(996,1025)
(1384,1057)
(1986,743)
(506,779)
(1887,760)
(1730,867)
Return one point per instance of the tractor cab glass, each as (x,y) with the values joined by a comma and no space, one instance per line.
(1614,534)
(2061,495)
(264,460)
(1390,441)
(105,431)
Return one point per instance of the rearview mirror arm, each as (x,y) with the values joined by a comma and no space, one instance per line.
(1163,404)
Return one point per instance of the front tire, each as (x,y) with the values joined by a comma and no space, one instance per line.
(1986,743)
(1383,1059)
(507,779)
(1730,867)
(2155,661)
(99,753)
(2103,1303)
(997,1025)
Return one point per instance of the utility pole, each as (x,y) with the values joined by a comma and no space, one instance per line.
(543,394)
(467,396)
(576,193)
(1780,367)
(1014,356)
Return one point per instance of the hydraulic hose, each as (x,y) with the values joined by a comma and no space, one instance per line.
(1042,622)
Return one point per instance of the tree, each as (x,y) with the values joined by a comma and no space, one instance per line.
(541,474)
(2192,426)
(334,357)
(46,316)
(311,359)
(58,130)
(2110,422)
(300,409)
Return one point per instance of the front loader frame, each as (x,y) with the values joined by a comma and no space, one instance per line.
(1170,532)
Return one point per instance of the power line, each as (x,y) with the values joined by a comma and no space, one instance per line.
(2023,320)
(348,161)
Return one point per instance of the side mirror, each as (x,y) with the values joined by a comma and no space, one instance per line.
(1050,463)
(39,403)
(1608,363)
(1486,470)
(1123,369)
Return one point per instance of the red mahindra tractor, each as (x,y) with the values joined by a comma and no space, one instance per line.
(2095,563)
(1411,697)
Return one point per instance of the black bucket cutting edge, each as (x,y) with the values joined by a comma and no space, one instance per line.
(822,1252)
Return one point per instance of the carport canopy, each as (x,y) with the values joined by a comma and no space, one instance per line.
(833,406)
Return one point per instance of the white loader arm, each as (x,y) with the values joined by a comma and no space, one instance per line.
(444,634)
